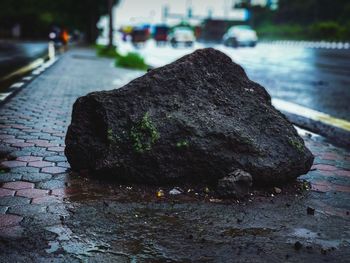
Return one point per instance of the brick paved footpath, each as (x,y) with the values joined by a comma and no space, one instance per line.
(33,124)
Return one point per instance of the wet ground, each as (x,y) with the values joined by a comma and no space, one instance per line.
(49,214)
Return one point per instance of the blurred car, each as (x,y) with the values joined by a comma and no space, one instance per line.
(160,34)
(139,36)
(182,36)
(242,35)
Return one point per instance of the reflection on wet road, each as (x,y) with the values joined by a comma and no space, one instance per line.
(14,55)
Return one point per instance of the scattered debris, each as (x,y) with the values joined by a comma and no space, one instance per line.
(297,245)
(175,191)
(160,193)
(277,190)
(310,210)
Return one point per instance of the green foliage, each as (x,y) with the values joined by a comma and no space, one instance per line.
(282,31)
(106,51)
(110,137)
(182,144)
(144,134)
(299,146)
(328,30)
(131,60)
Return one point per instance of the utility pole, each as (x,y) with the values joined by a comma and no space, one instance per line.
(110,32)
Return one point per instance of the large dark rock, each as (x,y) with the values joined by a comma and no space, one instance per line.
(195,120)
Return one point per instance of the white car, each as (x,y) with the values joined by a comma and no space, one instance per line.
(240,36)
(182,35)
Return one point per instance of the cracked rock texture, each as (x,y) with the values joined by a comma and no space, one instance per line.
(195,120)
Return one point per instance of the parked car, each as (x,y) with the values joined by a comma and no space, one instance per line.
(242,35)
(139,36)
(182,36)
(160,34)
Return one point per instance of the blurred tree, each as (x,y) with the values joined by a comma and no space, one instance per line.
(36,16)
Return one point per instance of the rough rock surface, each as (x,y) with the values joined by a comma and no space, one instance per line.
(236,184)
(194,120)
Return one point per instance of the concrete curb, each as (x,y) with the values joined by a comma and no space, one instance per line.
(335,135)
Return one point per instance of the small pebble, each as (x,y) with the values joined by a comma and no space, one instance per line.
(310,210)
(297,245)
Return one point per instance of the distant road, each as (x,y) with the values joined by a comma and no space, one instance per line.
(14,55)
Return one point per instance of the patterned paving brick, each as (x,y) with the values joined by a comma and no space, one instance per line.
(343,173)
(18,185)
(55,158)
(11,164)
(48,199)
(9,220)
(43,143)
(40,164)
(6,192)
(22,144)
(6,136)
(63,164)
(27,210)
(56,149)
(12,141)
(12,232)
(36,177)
(14,200)
(51,184)
(9,177)
(321,187)
(32,193)
(53,170)
(29,158)
(325,167)
(3,209)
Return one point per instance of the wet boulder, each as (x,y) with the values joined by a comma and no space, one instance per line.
(197,119)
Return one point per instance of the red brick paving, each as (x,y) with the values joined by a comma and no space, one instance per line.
(321,186)
(11,141)
(12,164)
(29,158)
(32,193)
(22,144)
(53,170)
(46,199)
(9,220)
(6,192)
(40,164)
(18,185)
(325,167)
(343,173)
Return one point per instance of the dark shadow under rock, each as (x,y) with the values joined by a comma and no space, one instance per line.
(195,120)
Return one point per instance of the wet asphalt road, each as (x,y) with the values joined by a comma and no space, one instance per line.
(14,55)
(316,78)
